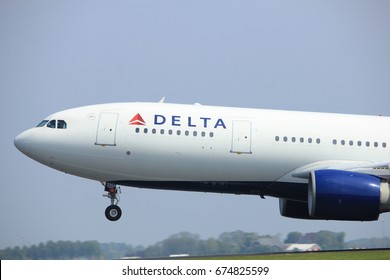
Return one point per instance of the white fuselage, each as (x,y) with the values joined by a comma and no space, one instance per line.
(159,142)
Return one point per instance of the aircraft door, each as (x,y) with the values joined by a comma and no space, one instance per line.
(106,132)
(242,137)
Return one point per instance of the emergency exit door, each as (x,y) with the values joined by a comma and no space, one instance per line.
(242,137)
(106,132)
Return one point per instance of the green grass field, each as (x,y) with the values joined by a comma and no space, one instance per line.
(343,255)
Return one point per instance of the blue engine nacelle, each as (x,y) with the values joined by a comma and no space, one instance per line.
(345,195)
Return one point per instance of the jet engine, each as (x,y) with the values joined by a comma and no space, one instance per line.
(340,195)
(346,195)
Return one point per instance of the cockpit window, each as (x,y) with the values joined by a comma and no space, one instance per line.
(52,124)
(42,123)
(61,124)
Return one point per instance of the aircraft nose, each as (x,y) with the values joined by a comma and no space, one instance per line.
(29,143)
(21,142)
(36,145)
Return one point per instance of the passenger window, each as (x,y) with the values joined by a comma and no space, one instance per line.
(61,124)
(52,124)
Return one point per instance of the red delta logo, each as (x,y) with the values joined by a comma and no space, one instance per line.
(137,120)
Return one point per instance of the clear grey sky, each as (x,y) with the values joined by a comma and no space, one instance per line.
(329,56)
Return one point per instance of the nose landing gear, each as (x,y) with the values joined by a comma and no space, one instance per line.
(113,212)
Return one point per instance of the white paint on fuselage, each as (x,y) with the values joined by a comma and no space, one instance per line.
(153,156)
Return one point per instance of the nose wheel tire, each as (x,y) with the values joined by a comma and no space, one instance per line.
(113,213)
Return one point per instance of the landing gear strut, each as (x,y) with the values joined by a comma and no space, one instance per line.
(113,212)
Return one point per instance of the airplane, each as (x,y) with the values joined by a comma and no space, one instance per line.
(321,166)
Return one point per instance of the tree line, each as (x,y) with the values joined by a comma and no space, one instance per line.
(236,242)
(61,250)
